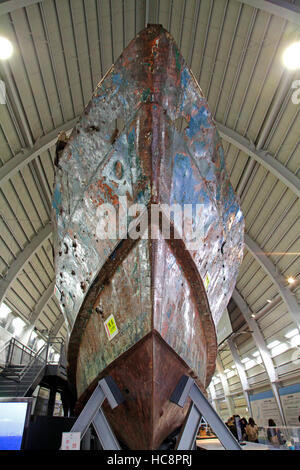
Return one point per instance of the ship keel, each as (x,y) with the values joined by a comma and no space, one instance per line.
(147,375)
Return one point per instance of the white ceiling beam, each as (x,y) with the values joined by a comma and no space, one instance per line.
(15,164)
(277,278)
(280,8)
(273,113)
(22,259)
(42,302)
(22,123)
(59,323)
(10,5)
(262,157)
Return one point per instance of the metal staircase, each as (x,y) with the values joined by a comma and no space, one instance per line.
(22,368)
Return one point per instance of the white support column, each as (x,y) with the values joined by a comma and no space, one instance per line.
(241,372)
(229,401)
(262,348)
(213,397)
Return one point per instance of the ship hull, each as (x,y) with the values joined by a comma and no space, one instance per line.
(166,295)
(165,330)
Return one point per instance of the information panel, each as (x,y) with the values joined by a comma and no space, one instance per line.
(290,399)
(264,407)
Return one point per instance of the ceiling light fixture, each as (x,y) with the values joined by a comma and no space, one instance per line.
(291,280)
(291,333)
(250,364)
(6,48)
(281,348)
(40,344)
(246,359)
(295,341)
(291,56)
(33,335)
(273,344)
(256,353)
(18,325)
(4,310)
(230,374)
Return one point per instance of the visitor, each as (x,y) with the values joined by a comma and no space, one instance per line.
(252,431)
(231,425)
(274,435)
(297,440)
(243,424)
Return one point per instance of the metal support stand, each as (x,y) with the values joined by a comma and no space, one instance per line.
(200,407)
(92,414)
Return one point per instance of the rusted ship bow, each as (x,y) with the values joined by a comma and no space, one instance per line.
(140,306)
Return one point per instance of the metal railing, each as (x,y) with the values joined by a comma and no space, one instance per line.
(4,354)
(33,363)
(58,345)
(15,353)
(37,362)
(19,353)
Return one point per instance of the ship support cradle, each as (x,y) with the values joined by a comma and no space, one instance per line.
(92,414)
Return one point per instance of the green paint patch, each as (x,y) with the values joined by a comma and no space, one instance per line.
(146,94)
(134,269)
(177,56)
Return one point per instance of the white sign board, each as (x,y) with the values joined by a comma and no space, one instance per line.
(264,407)
(70,441)
(290,399)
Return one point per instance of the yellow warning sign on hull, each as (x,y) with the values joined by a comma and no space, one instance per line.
(111,327)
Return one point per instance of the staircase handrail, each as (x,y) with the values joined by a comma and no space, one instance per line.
(22,345)
(11,344)
(5,345)
(33,360)
(45,347)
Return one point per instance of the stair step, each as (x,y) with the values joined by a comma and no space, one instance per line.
(17,366)
(11,375)
(5,386)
